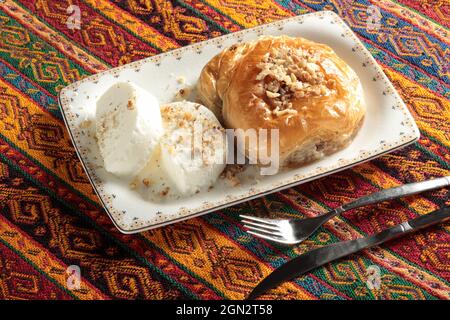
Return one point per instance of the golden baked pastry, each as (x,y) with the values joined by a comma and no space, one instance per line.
(295,85)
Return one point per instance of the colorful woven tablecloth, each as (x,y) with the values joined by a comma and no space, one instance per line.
(51,219)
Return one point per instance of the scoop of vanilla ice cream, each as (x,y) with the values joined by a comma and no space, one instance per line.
(193,148)
(128,128)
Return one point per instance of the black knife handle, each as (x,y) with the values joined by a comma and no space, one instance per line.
(431,218)
(341,249)
(318,257)
(397,192)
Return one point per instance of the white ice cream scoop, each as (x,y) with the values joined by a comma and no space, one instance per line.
(128,128)
(193,147)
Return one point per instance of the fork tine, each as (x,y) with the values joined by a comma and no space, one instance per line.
(260,225)
(269,232)
(271,238)
(262,220)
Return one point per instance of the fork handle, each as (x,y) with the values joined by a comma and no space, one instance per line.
(396,192)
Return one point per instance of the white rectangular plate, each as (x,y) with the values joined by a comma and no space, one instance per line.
(388,125)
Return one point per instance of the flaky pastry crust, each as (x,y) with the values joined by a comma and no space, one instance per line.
(298,86)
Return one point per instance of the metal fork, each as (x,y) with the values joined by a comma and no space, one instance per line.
(293,231)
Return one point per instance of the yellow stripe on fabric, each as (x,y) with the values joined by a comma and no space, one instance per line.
(77,54)
(42,259)
(430,26)
(58,155)
(217,259)
(381,256)
(42,137)
(250,13)
(18,106)
(208,232)
(431,112)
(130,22)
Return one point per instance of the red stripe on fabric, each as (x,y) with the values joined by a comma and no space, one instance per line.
(372,219)
(36,244)
(281,254)
(386,266)
(101,219)
(439,11)
(85,67)
(217,17)
(20,281)
(253,255)
(97,34)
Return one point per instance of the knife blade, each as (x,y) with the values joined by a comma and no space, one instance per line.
(318,257)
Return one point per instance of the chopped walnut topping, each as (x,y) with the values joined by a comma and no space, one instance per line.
(230,173)
(181,80)
(289,73)
(331,83)
(85,124)
(188,116)
(130,105)
(133,185)
(165,191)
(271,94)
(234,181)
(273,86)
(286,111)
(183,93)
(146,182)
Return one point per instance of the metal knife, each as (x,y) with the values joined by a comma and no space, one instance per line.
(318,257)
